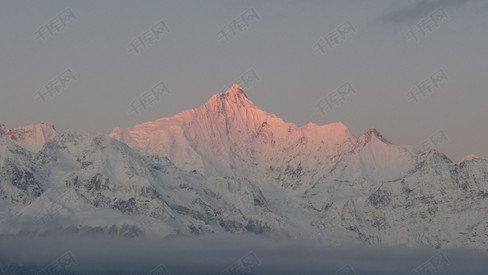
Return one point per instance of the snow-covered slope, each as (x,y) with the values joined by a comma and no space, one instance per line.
(100,185)
(32,137)
(438,203)
(20,177)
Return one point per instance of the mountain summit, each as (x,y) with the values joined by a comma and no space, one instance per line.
(235,90)
(229,135)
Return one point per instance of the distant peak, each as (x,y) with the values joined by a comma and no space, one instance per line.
(374,133)
(469,157)
(234,96)
(437,157)
(235,90)
(235,86)
(32,136)
(472,157)
(372,136)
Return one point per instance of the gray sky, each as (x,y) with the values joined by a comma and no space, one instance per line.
(300,51)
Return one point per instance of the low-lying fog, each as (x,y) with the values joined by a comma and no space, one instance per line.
(225,254)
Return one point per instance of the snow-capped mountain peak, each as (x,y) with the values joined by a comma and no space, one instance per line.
(372,134)
(472,157)
(32,137)
(233,100)
(235,90)
(229,135)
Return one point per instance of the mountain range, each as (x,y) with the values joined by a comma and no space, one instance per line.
(228,166)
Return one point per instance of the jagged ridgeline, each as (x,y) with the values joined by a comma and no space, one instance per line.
(228,166)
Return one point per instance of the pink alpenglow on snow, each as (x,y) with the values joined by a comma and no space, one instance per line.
(229,135)
(32,137)
(471,157)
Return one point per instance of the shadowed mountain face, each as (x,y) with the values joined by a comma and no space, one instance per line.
(228,166)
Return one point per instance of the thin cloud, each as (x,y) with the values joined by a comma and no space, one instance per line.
(419,9)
